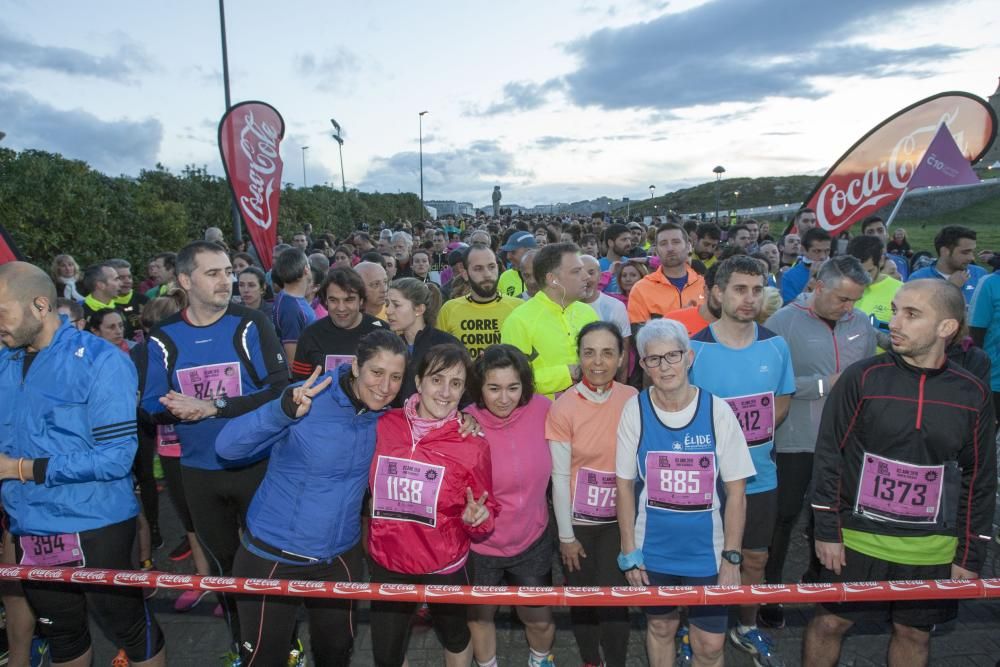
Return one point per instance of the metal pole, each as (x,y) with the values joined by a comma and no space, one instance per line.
(343,181)
(237,227)
(420,118)
(304,149)
(717,185)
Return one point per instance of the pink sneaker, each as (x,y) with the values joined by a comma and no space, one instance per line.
(188,600)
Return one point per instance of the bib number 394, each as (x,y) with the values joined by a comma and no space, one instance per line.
(406,490)
(897,491)
(596,495)
(50,550)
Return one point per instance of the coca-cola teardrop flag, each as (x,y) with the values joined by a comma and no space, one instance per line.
(250,135)
(8,251)
(877,169)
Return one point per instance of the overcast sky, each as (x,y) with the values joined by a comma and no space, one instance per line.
(553,101)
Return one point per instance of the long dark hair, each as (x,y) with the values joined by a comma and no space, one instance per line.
(503,356)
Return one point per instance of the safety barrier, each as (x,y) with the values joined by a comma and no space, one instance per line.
(525,595)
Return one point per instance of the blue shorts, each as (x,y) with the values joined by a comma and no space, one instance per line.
(710,618)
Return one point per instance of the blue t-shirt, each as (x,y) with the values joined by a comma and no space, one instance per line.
(984,313)
(748,379)
(794,281)
(291,315)
(976,273)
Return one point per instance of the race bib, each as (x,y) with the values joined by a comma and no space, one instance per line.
(334,360)
(51,550)
(899,492)
(680,481)
(406,490)
(211,381)
(595,496)
(755,413)
(167,442)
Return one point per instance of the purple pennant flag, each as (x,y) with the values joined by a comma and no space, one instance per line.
(942,164)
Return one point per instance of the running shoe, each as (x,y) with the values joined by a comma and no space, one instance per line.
(683,641)
(771,616)
(297,656)
(547,661)
(146,565)
(758,645)
(39,651)
(188,600)
(181,551)
(155,538)
(157,468)
(232,660)
(120,660)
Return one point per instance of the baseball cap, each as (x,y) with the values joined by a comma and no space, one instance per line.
(519,240)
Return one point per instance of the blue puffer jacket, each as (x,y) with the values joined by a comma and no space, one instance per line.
(309,503)
(74,414)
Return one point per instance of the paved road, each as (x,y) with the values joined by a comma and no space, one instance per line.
(198,639)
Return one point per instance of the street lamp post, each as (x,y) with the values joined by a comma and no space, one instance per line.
(736,193)
(628,209)
(237,228)
(340,149)
(718,171)
(304,149)
(420,123)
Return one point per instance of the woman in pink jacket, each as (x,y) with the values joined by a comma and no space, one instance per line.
(519,550)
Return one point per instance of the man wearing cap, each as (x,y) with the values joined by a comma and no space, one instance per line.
(511,281)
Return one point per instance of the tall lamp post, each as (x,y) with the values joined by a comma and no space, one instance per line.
(340,149)
(304,149)
(652,190)
(736,193)
(237,228)
(718,171)
(420,123)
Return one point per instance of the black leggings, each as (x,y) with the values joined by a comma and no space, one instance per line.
(390,621)
(142,468)
(218,501)
(794,478)
(175,487)
(62,608)
(268,625)
(597,628)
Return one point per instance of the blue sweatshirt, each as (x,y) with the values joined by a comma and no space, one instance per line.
(237,357)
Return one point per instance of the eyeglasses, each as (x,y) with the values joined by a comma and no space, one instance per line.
(654,360)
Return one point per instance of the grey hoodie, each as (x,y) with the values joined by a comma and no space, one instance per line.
(817,354)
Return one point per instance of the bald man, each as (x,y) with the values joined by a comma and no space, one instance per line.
(67,443)
(905,476)
(376,287)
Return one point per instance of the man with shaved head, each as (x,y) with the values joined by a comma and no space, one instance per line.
(905,476)
(67,442)
(376,287)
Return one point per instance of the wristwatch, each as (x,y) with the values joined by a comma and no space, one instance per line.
(734,557)
(220,404)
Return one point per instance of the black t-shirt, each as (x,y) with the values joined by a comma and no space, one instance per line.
(324,344)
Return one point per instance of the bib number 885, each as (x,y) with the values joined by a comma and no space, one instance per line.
(405,490)
(679,481)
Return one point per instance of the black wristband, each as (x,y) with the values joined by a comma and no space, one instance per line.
(288,403)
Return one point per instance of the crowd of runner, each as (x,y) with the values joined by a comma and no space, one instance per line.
(630,403)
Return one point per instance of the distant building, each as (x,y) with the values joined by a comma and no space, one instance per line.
(450,207)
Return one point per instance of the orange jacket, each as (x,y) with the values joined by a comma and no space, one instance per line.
(654,296)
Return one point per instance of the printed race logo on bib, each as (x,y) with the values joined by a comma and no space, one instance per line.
(680,481)
(755,413)
(332,361)
(899,492)
(406,490)
(211,381)
(167,442)
(595,497)
(51,550)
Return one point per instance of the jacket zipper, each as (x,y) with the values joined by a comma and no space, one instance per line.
(920,401)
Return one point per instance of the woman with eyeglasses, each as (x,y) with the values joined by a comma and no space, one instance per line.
(687,451)
(581,430)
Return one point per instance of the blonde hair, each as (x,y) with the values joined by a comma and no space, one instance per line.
(54,269)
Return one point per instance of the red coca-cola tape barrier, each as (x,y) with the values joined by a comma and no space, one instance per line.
(513,595)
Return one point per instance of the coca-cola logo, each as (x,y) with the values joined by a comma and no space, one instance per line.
(393,590)
(583,592)
(11,572)
(261,585)
(956,584)
(813,589)
(131,578)
(491,591)
(39,574)
(299,586)
(89,576)
(219,584)
(535,591)
(442,591)
(675,591)
(723,591)
(349,587)
(991,584)
(909,585)
(770,589)
(629,591)
(259,144)
(863,587)
(174,580)
(879,167)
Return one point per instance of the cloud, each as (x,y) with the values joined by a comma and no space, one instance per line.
(336,70)
(121,66)
(547,142)
(519,96)
(447,174)
(113,147)
(735,52)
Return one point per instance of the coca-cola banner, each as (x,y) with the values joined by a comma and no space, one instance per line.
(249,137)
(876,169)
(8,251)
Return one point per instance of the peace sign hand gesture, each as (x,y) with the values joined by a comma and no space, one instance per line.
(303,394)
(475,510)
